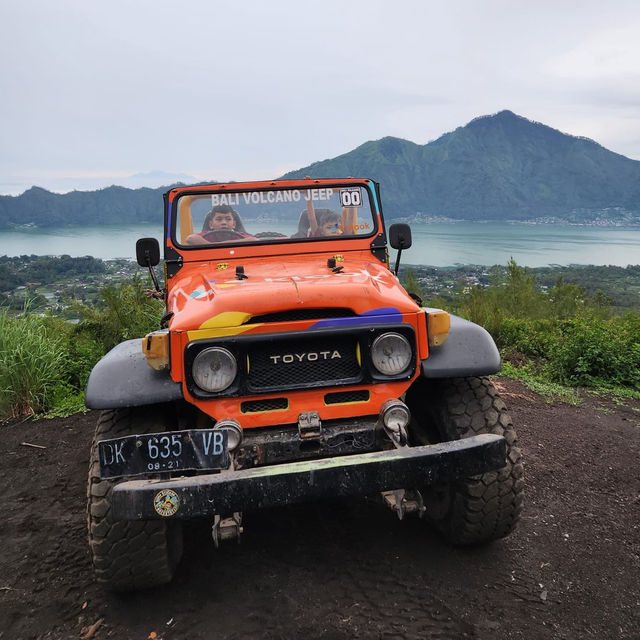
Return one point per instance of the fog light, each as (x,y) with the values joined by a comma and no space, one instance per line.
(234,432)
(395,415)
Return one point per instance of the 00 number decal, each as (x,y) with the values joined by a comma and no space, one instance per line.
(351,197)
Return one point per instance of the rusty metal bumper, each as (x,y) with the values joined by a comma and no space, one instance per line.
(257,488)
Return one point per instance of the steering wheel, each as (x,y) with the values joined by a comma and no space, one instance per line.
(222,235)
(271,234)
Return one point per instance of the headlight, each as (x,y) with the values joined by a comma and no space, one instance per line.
(391,353)
(214,369)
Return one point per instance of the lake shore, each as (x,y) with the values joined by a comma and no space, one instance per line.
(435,243)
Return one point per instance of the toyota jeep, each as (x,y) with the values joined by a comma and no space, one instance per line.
(290,365)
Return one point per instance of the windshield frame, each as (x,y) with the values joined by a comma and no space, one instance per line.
(174,196)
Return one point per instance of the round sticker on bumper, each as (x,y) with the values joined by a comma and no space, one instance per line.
(166,502)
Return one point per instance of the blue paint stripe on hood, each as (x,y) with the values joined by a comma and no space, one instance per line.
(374,316)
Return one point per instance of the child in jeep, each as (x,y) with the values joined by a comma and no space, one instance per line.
(221,224)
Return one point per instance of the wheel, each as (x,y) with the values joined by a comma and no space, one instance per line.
(479,508)
(128,554)
(223,235)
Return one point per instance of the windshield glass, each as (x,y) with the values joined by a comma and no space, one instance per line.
(273,215)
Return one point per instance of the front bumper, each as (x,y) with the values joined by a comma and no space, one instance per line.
(228,491)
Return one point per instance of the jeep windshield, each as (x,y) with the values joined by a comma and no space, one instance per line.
(216,216)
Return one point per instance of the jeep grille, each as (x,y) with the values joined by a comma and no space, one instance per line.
(300,363)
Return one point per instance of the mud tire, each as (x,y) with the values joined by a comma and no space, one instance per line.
(480,508)
(128,554)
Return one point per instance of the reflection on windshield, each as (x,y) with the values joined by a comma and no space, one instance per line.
(270,216)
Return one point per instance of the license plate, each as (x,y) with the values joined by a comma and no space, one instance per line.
(192,450)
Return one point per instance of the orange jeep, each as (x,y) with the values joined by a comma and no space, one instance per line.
(291,365)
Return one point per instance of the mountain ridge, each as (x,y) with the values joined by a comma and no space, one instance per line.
(496,167)
(499,167)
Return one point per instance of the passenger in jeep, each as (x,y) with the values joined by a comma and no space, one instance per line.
(329,223)
(222,224)
(316,223)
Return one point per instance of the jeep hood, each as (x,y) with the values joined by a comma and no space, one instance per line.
(206,295)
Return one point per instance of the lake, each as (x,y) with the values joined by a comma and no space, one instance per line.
(438,244)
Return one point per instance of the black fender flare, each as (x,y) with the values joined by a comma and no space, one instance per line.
(124,379)
(468,351)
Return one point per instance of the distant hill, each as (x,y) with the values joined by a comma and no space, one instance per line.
(113,205)
(497,167)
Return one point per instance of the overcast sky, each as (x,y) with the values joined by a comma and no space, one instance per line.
(92,91)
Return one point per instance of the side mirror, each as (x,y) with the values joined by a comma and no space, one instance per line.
(400,236)
(147,252)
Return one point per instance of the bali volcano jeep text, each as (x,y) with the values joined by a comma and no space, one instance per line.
(291,365)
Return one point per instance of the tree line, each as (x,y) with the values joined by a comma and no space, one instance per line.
(22,270)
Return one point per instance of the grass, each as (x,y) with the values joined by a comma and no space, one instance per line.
(536,381)
(32,362)
(617,395)
(535,378)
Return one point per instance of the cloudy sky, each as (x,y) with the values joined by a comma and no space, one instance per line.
(94,92)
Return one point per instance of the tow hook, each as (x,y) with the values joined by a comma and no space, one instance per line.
(310,426)
(226,528)
(404,501)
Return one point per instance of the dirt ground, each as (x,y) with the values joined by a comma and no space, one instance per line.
(349,569)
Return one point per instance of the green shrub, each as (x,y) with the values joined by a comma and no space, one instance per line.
(530,337)
(32,364)
(483,307)
(65,400)
(84,352)
(565,300)
(124,312)
(573,339)
(596,352)
(514,295)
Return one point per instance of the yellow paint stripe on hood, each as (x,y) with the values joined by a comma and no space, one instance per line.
(201,334)
(226,319)
(227,323)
